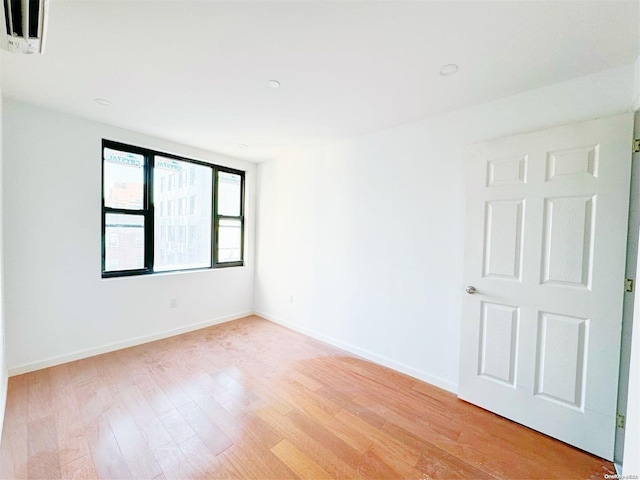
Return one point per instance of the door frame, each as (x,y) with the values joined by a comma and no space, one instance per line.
(633,242)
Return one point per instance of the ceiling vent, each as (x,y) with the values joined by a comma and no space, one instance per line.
(26,24)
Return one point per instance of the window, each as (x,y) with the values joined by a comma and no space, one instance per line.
(112,240)
(165,213)
(229,220)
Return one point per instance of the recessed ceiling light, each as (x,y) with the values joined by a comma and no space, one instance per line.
(273,83)
(448,69)
(102,101)
(242,145)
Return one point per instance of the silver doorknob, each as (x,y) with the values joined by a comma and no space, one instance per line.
(470,290)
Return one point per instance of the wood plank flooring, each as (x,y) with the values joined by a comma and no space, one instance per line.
(252,400)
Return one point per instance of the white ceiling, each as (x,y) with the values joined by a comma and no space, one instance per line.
(196,72)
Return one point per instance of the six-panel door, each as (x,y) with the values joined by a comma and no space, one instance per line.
(545,245)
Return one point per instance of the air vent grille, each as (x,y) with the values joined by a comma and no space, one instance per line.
(25,22)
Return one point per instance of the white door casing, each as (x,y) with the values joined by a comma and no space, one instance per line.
(545,243)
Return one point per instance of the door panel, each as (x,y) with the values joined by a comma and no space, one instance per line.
(567,237)
(561,358)
(503,239)
(545,241)
(498,342)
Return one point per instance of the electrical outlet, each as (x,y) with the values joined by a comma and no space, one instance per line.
(291,298)
(173,302)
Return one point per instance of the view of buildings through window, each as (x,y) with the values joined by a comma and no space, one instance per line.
(183,220)
(182,233)
(229,210)
(124,189)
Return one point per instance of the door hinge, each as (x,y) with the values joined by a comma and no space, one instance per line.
(628,284)
(619,420)
(636,145)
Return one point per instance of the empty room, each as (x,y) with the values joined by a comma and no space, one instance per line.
(319,239)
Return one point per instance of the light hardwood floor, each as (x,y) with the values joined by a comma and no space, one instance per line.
(252,400)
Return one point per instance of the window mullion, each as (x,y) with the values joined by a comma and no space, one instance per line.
(215,219)
(149,249)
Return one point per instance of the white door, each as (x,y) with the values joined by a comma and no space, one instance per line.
(545,243)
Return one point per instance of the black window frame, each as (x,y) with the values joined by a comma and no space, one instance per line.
(148,211)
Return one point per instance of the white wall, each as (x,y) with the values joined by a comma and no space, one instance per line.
(4,376)
(57,305)
(631,462)
(636,86)
(631,343)
(367,234)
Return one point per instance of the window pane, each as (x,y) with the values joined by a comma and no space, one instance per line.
(187,243)
(123,180)
(124,242)
(229,194)
(229,240)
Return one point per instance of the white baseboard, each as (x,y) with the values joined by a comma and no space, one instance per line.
(90,352)
(366,354)
(361,352)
